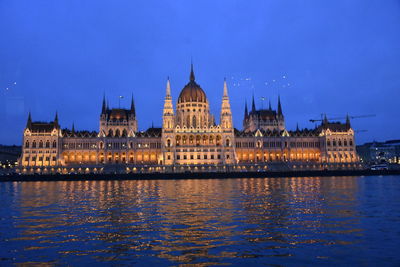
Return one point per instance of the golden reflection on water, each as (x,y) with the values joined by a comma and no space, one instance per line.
(181,221)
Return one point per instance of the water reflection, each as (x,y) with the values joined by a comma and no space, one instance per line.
(203,222)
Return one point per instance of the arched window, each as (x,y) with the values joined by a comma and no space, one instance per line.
(54,144)
(198,138)
(110,133)
(27,144)
(329,142)
(345,142)
(47,144)
(117,133)
(124,133)
(334,142)
(211,140)
(40,144)
(168,143)
(34,144)
(188,121)
(228,143)
(340,142)
(194,121)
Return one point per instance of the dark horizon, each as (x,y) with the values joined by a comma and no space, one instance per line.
(334,57)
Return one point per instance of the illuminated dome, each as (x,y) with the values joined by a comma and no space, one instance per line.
(192,92)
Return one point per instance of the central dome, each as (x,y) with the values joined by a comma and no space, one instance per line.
(192,92)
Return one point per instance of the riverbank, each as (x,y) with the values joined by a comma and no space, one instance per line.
(194,175)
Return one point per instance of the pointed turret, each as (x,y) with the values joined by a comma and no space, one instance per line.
(133,110)
(168,107)
(73,128)
(168,112)
(270,107)
(226,114)
(104,105)
(279,106)
(253,105)
(297,127)
(168,88)
(29,122)
(225,89)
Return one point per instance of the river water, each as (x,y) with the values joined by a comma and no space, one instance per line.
(325,221)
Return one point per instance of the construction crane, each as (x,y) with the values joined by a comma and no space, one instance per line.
(343,118)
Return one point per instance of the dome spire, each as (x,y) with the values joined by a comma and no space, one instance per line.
(192,78)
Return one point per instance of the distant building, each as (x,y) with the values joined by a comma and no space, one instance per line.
(378,152)
(189,139)
(9,155)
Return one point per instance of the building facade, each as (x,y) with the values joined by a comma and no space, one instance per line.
(380,152)
(189,140)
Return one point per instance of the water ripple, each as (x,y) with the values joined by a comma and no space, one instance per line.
(275,221)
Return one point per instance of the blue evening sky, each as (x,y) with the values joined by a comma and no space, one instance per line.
(331,56)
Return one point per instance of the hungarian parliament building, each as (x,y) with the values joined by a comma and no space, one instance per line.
(190,140)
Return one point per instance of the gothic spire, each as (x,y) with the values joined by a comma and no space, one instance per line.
(279,105)
(73,128)
(253,105)
(246,112)
(56,120)
(226,114)
(133,111)
(29,122)
(325,121)
(225,89)
(348,120)
(297,127)
(104,106)
(270,107)
(168,106)
(168,89)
